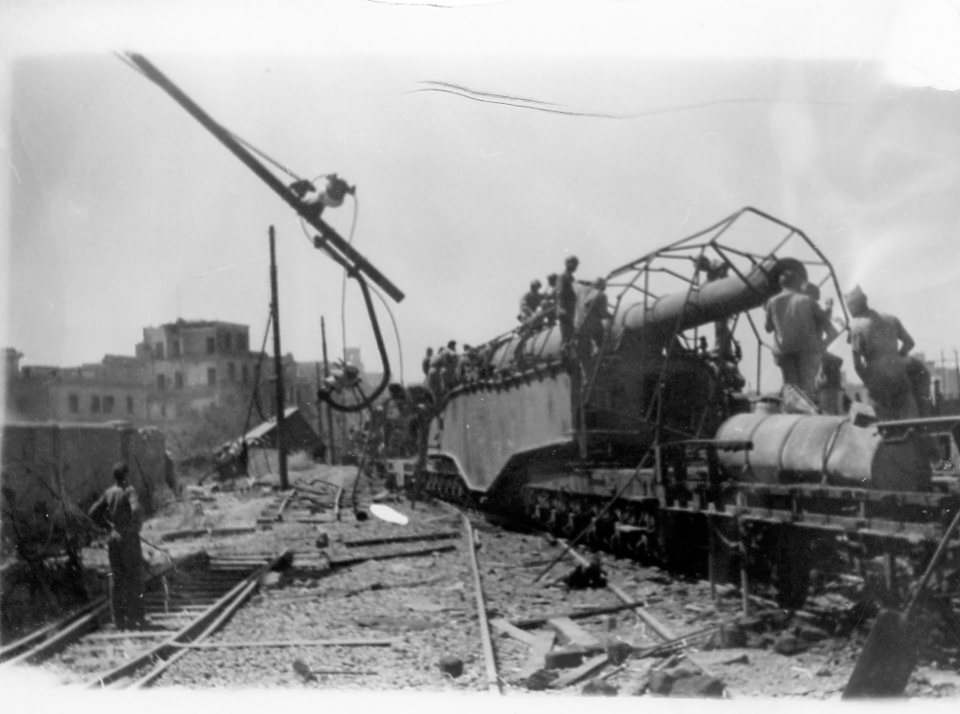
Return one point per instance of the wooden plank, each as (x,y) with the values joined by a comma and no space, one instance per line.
(575,634)
(340,562)
(508,628)
(441,535)
(591,666)
(346,642)
(538,652)
(577,614)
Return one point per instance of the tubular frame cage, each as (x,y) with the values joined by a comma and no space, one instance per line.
(740,243)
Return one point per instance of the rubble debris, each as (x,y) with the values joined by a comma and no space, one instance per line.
(586,577)
(572,632)
(564,658)
(539,680)
(618,651)
(271,579)
(788,644)
(301,668)
(698,685)
(451,665)
(727,637)
(599,688)
(538,653)
(588,668)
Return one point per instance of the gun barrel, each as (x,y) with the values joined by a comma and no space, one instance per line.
(712,301)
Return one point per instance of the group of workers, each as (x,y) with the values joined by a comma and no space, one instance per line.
(445,368)
(880,345)
(584,313)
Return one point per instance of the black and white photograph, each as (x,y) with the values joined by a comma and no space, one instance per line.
(479,348)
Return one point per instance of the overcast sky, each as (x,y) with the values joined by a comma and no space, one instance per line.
(124,212)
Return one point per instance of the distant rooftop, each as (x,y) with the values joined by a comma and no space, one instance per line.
(181,323)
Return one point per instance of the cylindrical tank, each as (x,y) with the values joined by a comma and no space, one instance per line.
(802,448)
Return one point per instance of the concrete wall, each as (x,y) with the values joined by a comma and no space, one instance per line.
(43,463)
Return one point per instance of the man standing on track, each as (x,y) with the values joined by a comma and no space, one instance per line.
(119,510)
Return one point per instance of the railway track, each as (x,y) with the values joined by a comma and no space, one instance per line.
(184,603)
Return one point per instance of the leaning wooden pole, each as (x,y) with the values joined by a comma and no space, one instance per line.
(277,361)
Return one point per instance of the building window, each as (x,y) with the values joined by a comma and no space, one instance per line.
(211,376)
(231,371)
(163,411)
(211,345)
(245,374)
(108,402)
(158,350)
(162,382)
(175,348)
(228,341)
(129,405)
(178,380)
(73,403)
(95,404)
(241,342)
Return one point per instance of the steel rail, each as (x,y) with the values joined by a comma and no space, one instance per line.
(251,584)
(170,646)
(64,630)
(489,658)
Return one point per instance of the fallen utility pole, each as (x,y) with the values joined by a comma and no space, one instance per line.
(277,361)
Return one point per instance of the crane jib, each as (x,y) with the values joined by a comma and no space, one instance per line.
(335,245)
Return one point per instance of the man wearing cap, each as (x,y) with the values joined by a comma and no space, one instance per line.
(566,300)
(798,324)
(530,302)
(119,510)
(880,347)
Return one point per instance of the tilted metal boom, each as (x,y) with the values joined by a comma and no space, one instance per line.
(331,241)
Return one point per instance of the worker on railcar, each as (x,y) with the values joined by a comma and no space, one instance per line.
(881,347)
(799,325)
(119,510)
(566,299)
(530,302)
(594,318)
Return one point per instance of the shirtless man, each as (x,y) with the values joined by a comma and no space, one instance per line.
(799,324)
(880,347)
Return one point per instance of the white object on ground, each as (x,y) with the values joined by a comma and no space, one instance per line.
(390,515)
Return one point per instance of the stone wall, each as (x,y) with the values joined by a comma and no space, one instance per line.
(46,465)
